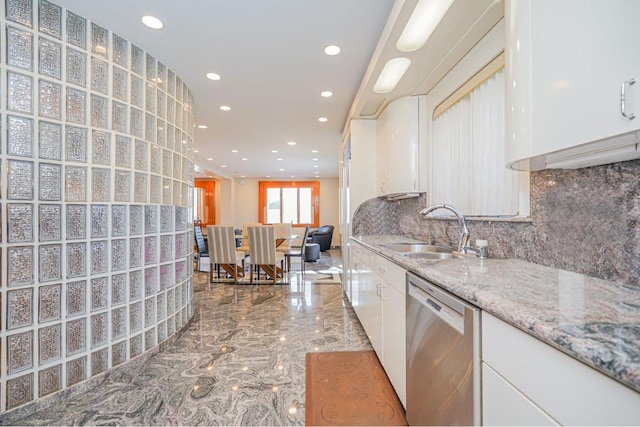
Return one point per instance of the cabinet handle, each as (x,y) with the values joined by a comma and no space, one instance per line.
(382,269)
(630,82)
(381,289)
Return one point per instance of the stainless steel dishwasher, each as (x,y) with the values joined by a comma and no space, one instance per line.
(443,357)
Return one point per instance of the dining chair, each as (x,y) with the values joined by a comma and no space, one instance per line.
(223,253)
(263,254)
(283,230)
(244,242)
(201,246)
(298,251)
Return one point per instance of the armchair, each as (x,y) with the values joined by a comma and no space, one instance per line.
(322,236)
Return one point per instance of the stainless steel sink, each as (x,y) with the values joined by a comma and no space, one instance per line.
(414,248)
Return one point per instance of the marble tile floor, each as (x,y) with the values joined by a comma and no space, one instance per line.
(242,361)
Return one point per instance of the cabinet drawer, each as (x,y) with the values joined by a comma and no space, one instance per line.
(569,391)
(392,273)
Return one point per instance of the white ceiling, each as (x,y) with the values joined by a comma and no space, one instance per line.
(270,56)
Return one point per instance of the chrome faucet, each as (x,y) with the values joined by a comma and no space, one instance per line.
(463,242)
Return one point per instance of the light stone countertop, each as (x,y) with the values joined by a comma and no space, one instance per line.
(595,321)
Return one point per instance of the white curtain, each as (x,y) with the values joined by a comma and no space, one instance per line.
(468,167)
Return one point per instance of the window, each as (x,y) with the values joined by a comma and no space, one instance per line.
(297,202)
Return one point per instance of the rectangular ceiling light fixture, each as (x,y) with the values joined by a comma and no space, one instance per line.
(423,21)
(391,74)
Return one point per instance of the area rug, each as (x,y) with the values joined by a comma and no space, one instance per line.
(349,388)
(324,276)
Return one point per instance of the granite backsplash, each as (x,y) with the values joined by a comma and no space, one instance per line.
(582,220)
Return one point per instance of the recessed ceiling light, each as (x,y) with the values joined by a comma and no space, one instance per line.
(315,160)
(244,158)
(279,158)
(225,108)
(268,176)
(274,151)
(223,166)
(209,158)
(291,143)
(332,50)
(152,22)
(315,166)
(196,151)
(314,151)
(202,126)
(242,176)
(281,170)
(213,76)
(234,151)
(326,94)
(293,176)
(323,119)
(391,74)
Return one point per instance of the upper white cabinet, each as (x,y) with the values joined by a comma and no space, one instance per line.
(566,65)
(400,146)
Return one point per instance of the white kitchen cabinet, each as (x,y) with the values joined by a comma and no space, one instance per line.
(566,62)
(542,385)
(379,302)
(399,147)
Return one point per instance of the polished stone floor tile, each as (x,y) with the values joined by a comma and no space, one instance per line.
(242,361)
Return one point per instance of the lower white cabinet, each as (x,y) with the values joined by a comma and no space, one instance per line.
(528,382)
(378,297)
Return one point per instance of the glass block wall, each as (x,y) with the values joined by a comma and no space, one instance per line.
(96,192)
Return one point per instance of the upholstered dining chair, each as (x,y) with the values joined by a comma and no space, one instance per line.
(201,246)
(263,254)
(283,230)
(223,253)
(298,251)
(244,241)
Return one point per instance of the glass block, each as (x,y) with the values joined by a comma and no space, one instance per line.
(19,48)
(122,186)
(19,223)
(100,185)
(19,136)
(50,104)
(118,353)
(50,140)
(141,157)
(135,346)
(50,343)
(161,306)
(166,219)
(99,257)
(118,289)
(20,180)
(181,218)
(167,163)
(76,371)
(155,189)
(171,326)
(76,106)
(50,263)
(76,184)
(19,93)
(50,222)
(135,285)
(140,190)
(120,49)
(171,83)
(99,298)
(49,303)
(181,271)
(99,361)
(151,68)
(20,11)
(19,391)
(161,79)
(150,250)
(76,30)
(186,166)
(170,302)
(119,115)
(162,105)
(135,253)
(178,91)
(149,339)
(150,281)
(135,122)
(161,137)
(99,221)
(50,58)
(118,220)
(180,246)
(150,128)
(20,352)
(76,222)
(166,191)
(49,380)
(19,308)
(76,67)
(150,219)
(101,147)
(118,255)
(120,84)
(118,323)
(99,75)
(50,19)
(76,144)
(136,224)
(150,98)
(137,91)
(166,275)
(76,336)
(50,185)
(177,166)
(135,317)
(76,260)
(155,161)
(137,60)
(98,330)
(99,41)
(76,298)
(123,151)
(176,192)
(99,111)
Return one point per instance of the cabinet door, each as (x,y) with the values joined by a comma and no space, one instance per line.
(565,64)
(395,340)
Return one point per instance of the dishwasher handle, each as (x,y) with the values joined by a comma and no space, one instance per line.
(450,315)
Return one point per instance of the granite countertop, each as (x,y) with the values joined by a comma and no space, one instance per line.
(595,321)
